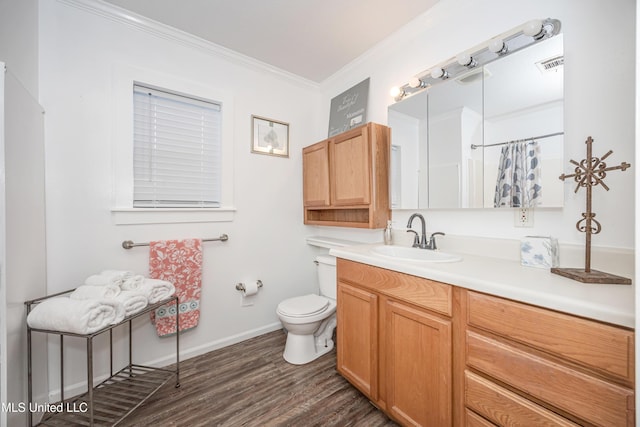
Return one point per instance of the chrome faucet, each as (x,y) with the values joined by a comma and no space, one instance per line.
(421,241)
(418,241)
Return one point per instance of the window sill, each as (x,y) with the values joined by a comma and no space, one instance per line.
(129,216)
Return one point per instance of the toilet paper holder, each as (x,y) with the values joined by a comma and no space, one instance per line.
(241,287)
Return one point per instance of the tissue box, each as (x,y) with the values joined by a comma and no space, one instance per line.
(539,251)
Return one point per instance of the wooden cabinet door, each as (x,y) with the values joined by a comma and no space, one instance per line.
(350,169)
(315,166)
(357,335)
(418,366)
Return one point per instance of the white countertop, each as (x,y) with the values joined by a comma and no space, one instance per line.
(508,279)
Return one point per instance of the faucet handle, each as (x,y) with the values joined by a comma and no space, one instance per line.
(416,238)
(432,239)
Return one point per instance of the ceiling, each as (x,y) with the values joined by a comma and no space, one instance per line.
(309,38)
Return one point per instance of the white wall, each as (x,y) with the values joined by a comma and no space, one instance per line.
(22,209)
(81,46)
(597,36)
(19,41)
(25,237)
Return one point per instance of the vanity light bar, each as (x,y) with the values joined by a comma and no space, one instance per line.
(504,44)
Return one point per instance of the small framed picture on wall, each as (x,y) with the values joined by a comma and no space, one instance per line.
(269,137)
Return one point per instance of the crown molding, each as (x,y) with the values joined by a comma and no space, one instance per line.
(122,16)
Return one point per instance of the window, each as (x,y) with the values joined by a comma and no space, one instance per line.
(177,150)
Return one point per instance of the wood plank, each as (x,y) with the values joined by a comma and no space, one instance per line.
(249,384)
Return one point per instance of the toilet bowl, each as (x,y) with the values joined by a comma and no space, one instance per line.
(311,319)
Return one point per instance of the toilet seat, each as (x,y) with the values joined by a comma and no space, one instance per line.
(304,306)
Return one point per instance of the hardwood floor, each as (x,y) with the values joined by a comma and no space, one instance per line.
(250,384)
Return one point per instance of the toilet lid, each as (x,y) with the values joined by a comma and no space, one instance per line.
(307,305)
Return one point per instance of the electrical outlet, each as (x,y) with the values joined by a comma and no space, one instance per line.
(523,217)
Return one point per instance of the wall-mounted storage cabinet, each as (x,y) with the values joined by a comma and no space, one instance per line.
(346,179)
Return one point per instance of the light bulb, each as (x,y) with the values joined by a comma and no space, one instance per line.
(416,83)
(439,73)
(396,92)
(534,29)
(498,46)
(466,60)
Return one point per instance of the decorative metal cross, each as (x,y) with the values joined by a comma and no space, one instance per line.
(588,173)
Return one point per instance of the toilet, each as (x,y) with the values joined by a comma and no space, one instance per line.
(311,319)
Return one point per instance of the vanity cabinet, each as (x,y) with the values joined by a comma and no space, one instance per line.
(434,354)
(358,338)
(526,365)
(346,179)
(395,342)
(417,368)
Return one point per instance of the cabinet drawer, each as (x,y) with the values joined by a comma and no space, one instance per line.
(424,293)
(471,419)
(589,398)
(504,407)
(606,348)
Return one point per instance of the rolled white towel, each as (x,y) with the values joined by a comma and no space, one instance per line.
(133,301)
(95,292)
(76,316)
(132,283)
(120,312)
(100,280)
(157,290)
(108,277)
(122,274)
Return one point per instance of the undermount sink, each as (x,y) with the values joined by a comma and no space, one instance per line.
(414,254)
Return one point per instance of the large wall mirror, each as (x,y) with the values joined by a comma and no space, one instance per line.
(459,143)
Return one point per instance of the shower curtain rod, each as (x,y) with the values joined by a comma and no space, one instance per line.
(474,146)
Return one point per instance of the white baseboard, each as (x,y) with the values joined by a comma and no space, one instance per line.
(215,345)
(81,387)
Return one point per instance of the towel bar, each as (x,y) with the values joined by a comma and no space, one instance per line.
(128,244)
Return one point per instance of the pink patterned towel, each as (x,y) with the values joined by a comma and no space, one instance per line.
(178,262)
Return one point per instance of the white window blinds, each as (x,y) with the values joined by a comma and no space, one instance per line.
(177,150)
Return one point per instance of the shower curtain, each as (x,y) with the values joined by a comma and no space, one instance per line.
(519,176)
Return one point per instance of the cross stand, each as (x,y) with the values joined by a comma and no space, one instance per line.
(589,173)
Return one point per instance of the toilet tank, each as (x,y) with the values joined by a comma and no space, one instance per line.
(327,275)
